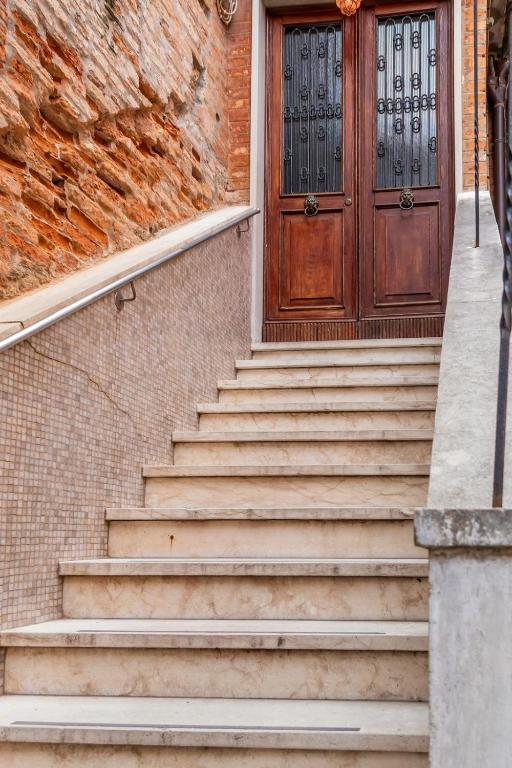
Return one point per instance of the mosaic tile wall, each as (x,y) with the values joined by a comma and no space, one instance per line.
(85,403)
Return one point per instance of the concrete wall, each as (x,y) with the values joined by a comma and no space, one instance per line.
(470,544)
(85,403)
(463,448)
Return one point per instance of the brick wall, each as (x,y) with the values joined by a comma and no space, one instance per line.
(85,403)
(239,96)
(114,123)
(468,102)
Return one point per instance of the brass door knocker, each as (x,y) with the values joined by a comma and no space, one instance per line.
(406,199)
(311,205)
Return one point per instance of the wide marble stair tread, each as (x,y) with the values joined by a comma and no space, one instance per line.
(257,723)
(262,364)
(313,435)
(283,346)
(260,513)
(222,633)
(312,407)
(389,381)
(287,470)
(246,566)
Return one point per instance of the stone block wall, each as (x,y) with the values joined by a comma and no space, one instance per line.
(114,123)
(88,401)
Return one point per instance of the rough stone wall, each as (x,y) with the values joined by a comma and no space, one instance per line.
(114,124)
(85,403)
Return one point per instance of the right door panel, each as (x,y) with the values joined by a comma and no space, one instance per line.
(406,210)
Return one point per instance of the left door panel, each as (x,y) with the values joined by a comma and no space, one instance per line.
(310,219)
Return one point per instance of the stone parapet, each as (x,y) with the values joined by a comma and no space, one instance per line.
(470,635)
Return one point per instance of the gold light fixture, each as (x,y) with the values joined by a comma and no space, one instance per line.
(348,7)
(227,9)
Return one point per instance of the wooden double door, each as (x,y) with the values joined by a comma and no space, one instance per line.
(359,172)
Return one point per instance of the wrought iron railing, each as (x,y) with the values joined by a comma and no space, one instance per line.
(501,100)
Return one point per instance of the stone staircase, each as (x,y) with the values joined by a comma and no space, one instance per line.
(268,606)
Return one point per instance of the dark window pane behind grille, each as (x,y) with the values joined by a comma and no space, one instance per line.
(406,69)
(312,121)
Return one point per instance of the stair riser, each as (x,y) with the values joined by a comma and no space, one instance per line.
(385,676)
(252,422)
(391,394)
(345,373)
(246,597)
(302,452)
(389,355)
(285,491)
(266,538)
(69,756)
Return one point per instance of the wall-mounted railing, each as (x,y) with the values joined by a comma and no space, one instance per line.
(165,247)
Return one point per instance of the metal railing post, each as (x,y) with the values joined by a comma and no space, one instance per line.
(497,94)
(506,307)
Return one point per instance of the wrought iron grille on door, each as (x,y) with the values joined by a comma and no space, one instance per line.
(312,109)
(407,136)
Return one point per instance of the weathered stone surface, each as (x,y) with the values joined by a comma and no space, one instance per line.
(113,125)
(464,528)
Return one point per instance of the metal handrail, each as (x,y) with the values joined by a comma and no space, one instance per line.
(114,285)
(506,302)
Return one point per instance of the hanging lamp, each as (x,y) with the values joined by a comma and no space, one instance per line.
(348,7)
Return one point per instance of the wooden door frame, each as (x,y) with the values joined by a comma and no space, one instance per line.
(275,330)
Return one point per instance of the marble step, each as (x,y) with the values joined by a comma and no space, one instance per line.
(29,755)
(253,665)
(342,352)
(221,634)
(243,588)
(198,538)
(391,446)
(244,566)
(370,344)
(286,485)
(359,728)
(260,513)
(401,390)
(224,417)
(252,674)
(314,370)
